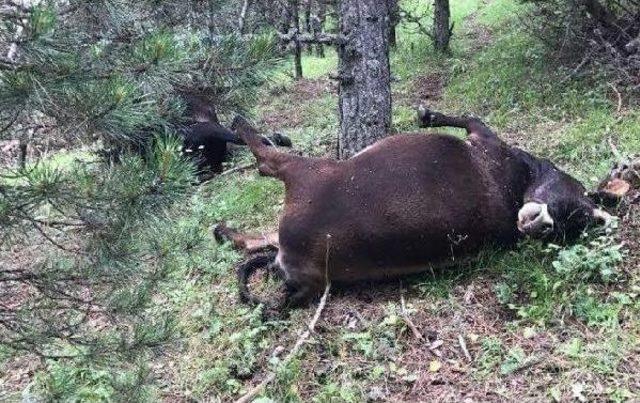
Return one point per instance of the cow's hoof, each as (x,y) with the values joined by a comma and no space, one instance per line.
(425,116)
(281,140)
(221,233)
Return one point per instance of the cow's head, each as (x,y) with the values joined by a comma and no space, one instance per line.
(557,207)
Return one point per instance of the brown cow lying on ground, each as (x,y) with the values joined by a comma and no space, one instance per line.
(406,203)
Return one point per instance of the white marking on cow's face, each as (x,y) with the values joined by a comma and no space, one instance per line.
(534,219)
(188,150)
(201,147)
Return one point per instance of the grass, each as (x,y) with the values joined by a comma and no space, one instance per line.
(319,67)
(539,322)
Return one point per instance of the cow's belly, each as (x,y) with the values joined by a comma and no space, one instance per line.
(373,248)
(380,257)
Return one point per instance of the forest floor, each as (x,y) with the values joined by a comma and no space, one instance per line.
(529,324)
(507,326)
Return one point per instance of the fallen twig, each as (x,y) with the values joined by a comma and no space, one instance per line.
(405,316)
(528,363)
(463,346)
(294,351)
(433,348)
(577,69)
(614,149)
(237,169)
(613,87)
(303,337)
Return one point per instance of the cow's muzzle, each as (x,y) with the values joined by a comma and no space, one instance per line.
(534,220)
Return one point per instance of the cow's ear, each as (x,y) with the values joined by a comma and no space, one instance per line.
(611,192)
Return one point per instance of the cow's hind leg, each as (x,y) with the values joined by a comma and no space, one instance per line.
(249,243)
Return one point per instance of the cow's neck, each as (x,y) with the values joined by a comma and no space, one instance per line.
(540,170)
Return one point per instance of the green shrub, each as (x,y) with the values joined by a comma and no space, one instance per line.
(543,284)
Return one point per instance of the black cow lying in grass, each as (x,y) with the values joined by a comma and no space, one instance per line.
(407,203)
(206,140)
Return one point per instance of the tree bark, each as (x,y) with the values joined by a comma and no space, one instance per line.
(318,24)
(365,93)
(394,19)
(22,156)
(441,27)
(307,22)
(297,48)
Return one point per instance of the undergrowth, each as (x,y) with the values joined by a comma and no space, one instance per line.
(540,321)
(547,283)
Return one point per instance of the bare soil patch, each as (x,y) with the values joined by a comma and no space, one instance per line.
(292,100)
(424,89)
(479,35)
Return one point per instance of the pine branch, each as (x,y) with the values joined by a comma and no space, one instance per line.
(7,64)
(319,37)
(417,20)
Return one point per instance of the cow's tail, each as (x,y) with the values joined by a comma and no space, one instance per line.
(270,161)
(245,269)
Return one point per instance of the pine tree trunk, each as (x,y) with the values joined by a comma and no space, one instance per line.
(297,49)
(394,16)
(318,24)
(307,22)
(441,27)
(22,156)
(365,94)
